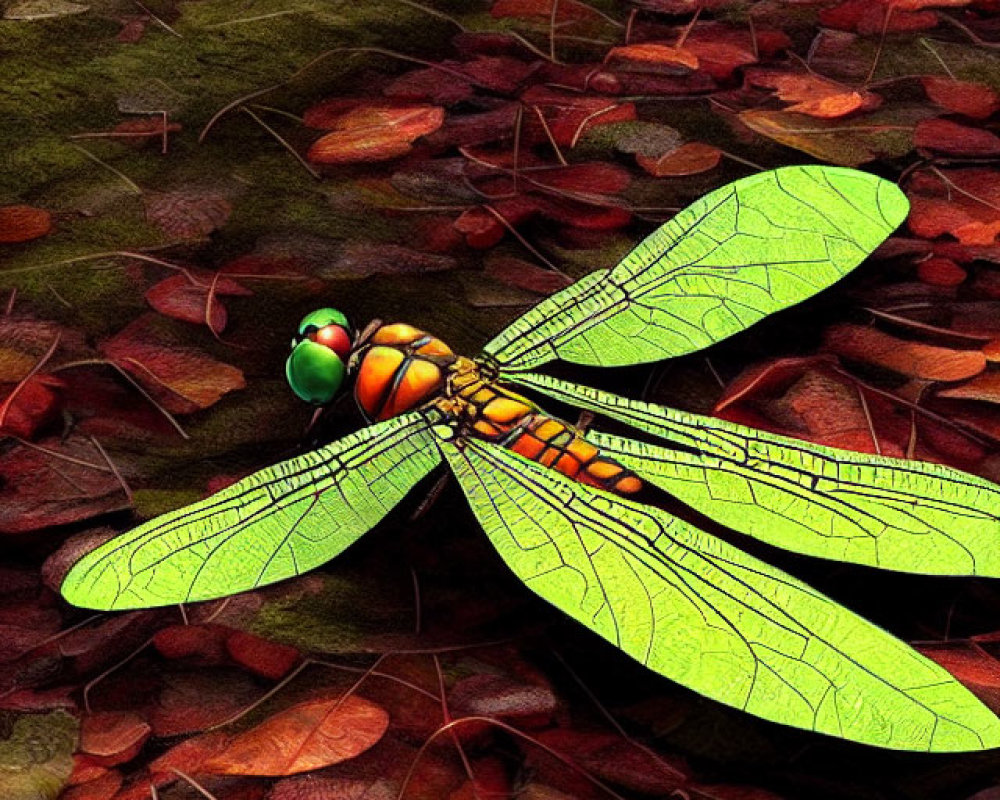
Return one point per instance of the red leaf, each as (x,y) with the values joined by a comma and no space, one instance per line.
(204,644)
(189,756)
(182,379)
(28,406)
(915,359)
(112,737)
(103,787)
(307,736)
(940,272)
(976,100)
(22,223)
(949,137)
(262,656)
(688,159)
(375,133)
(568,115)
(966,207)
(497,73)
(181,299)
(187,213)
(978,670)
(984,387)
(143,128)
(524,275)
(429,86)
(583,179)
(33,483)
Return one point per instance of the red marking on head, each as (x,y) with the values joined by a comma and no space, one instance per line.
(334,337)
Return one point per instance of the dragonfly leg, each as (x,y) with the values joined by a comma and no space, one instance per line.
(584,420)
(432,496)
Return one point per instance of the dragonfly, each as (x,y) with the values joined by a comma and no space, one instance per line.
(559,503)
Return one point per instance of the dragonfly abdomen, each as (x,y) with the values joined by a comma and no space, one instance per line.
(518,424)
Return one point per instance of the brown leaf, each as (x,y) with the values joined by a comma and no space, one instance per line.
(915,359)
(307,736)
(182,379)
(976,100)
(501,697)
(22,223)
(375,133)
(688,159)
(39,489)
(203,644)
(949,137)
(187,213)
(940,272)
(525,275)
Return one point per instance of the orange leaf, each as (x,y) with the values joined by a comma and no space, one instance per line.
(652,57)
(112,737)
(307,736)
(375,133)
(815,96)
(23,223)
(872,346)
(967,206)
(688,159)
(985,387)
(940,272)
(569,115)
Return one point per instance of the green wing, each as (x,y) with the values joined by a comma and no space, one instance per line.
(710,617)
(735,256)
(272,525)
(881,512)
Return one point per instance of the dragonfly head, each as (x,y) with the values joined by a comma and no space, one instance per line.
(317,364)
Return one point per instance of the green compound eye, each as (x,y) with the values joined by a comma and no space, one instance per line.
(322,317)
(314,372)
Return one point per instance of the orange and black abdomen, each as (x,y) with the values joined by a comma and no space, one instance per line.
(519,425)
(400,368)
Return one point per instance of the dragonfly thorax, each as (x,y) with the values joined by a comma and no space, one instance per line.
(399,368)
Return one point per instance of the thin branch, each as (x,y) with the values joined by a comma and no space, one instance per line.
(124,178)
(281,140)
(9,400)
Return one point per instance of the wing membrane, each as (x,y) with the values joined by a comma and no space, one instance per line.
(272,525)
(735,256)
(709,616)
(821,501)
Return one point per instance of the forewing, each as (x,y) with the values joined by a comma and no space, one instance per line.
(272,525)
(738,254)
(709,616)
(882,512)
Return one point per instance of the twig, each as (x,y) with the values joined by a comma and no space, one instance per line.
(309,168)
(9,400)
(158,21)
(113,468)
(124,178)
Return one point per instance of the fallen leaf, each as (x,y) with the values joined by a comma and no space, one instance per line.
(193,700)
(976,100)
(22,223)
(307,736)
(364,259)
(179,298)
(375,133)
(28,406)
(112,737)
(190,213)
(504,698)
(966,204)
(652,57)
(688,159)
(940,272)
(975,668)
(984,387)
(182,379)
(261,656)
(915,359)
(525,275)
(569,115)
(320,787)
(33,485)
(945,136)
(204,645)
(887,132)
(103,787)
(465,130)
(814,95)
